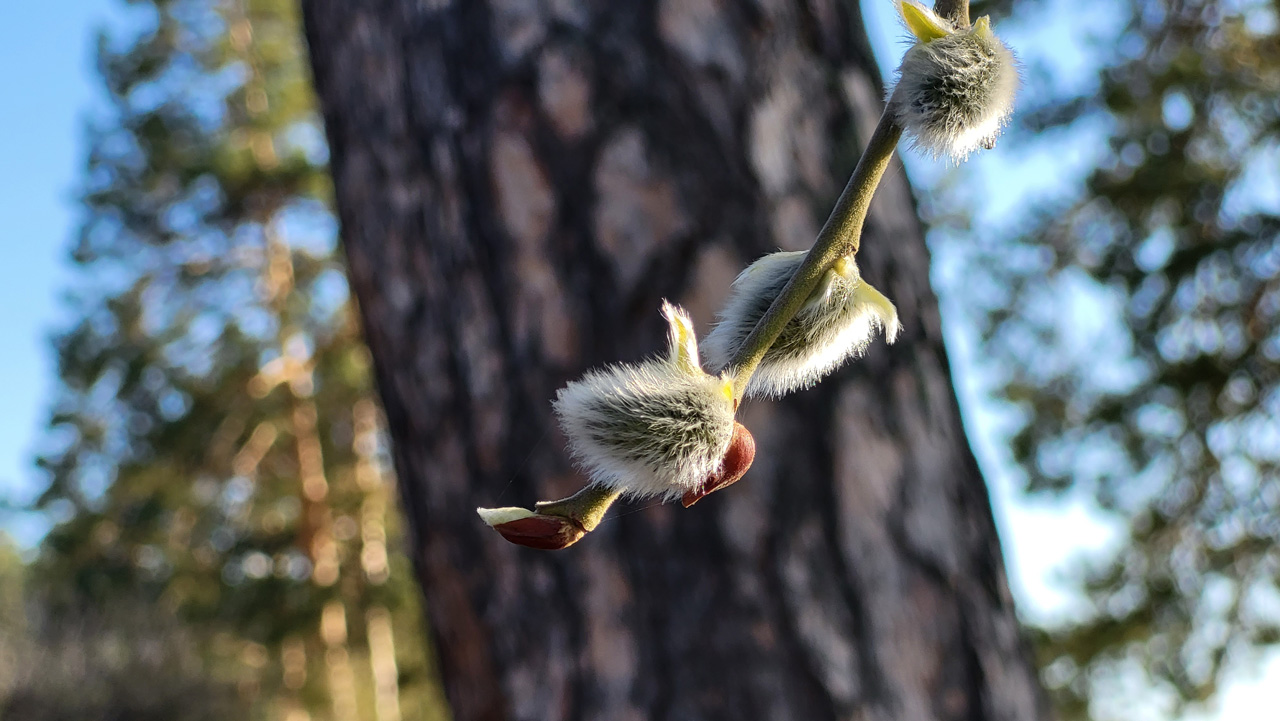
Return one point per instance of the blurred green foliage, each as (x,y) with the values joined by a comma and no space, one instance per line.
(216,455)
(1168,410)
(128,664)
(216,369)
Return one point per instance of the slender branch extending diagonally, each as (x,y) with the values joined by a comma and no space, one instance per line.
(839,237)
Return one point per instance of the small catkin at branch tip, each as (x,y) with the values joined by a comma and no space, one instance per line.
(955,86)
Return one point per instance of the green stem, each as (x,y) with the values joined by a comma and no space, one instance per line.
(957,11)
(840,237)
(586,507)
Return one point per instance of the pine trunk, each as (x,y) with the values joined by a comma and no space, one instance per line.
(520,182)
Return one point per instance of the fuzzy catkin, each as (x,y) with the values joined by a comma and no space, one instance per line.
(657,428)
(836,323)
(955,93)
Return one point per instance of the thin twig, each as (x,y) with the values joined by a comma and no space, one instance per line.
(586,507)
(957,11)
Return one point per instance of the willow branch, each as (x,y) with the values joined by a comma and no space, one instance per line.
(840,237)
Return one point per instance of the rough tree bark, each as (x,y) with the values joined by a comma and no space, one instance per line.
(519,183)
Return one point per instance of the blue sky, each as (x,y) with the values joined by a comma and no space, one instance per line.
(48,82)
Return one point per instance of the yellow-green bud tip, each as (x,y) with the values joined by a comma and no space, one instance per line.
(923,23)
(681,339)
(983,27)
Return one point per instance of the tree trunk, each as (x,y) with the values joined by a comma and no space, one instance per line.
(519,183)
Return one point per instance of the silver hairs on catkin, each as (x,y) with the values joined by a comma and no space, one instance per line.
(656,428)
(955,87)
(837,323)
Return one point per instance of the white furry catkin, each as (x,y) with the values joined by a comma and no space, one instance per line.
(836,323)
(656,428)
(955,87)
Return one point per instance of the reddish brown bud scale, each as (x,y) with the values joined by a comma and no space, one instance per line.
(547,533)
(742,451)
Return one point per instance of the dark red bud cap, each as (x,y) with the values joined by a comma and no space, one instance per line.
(742,451)
(536,530)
